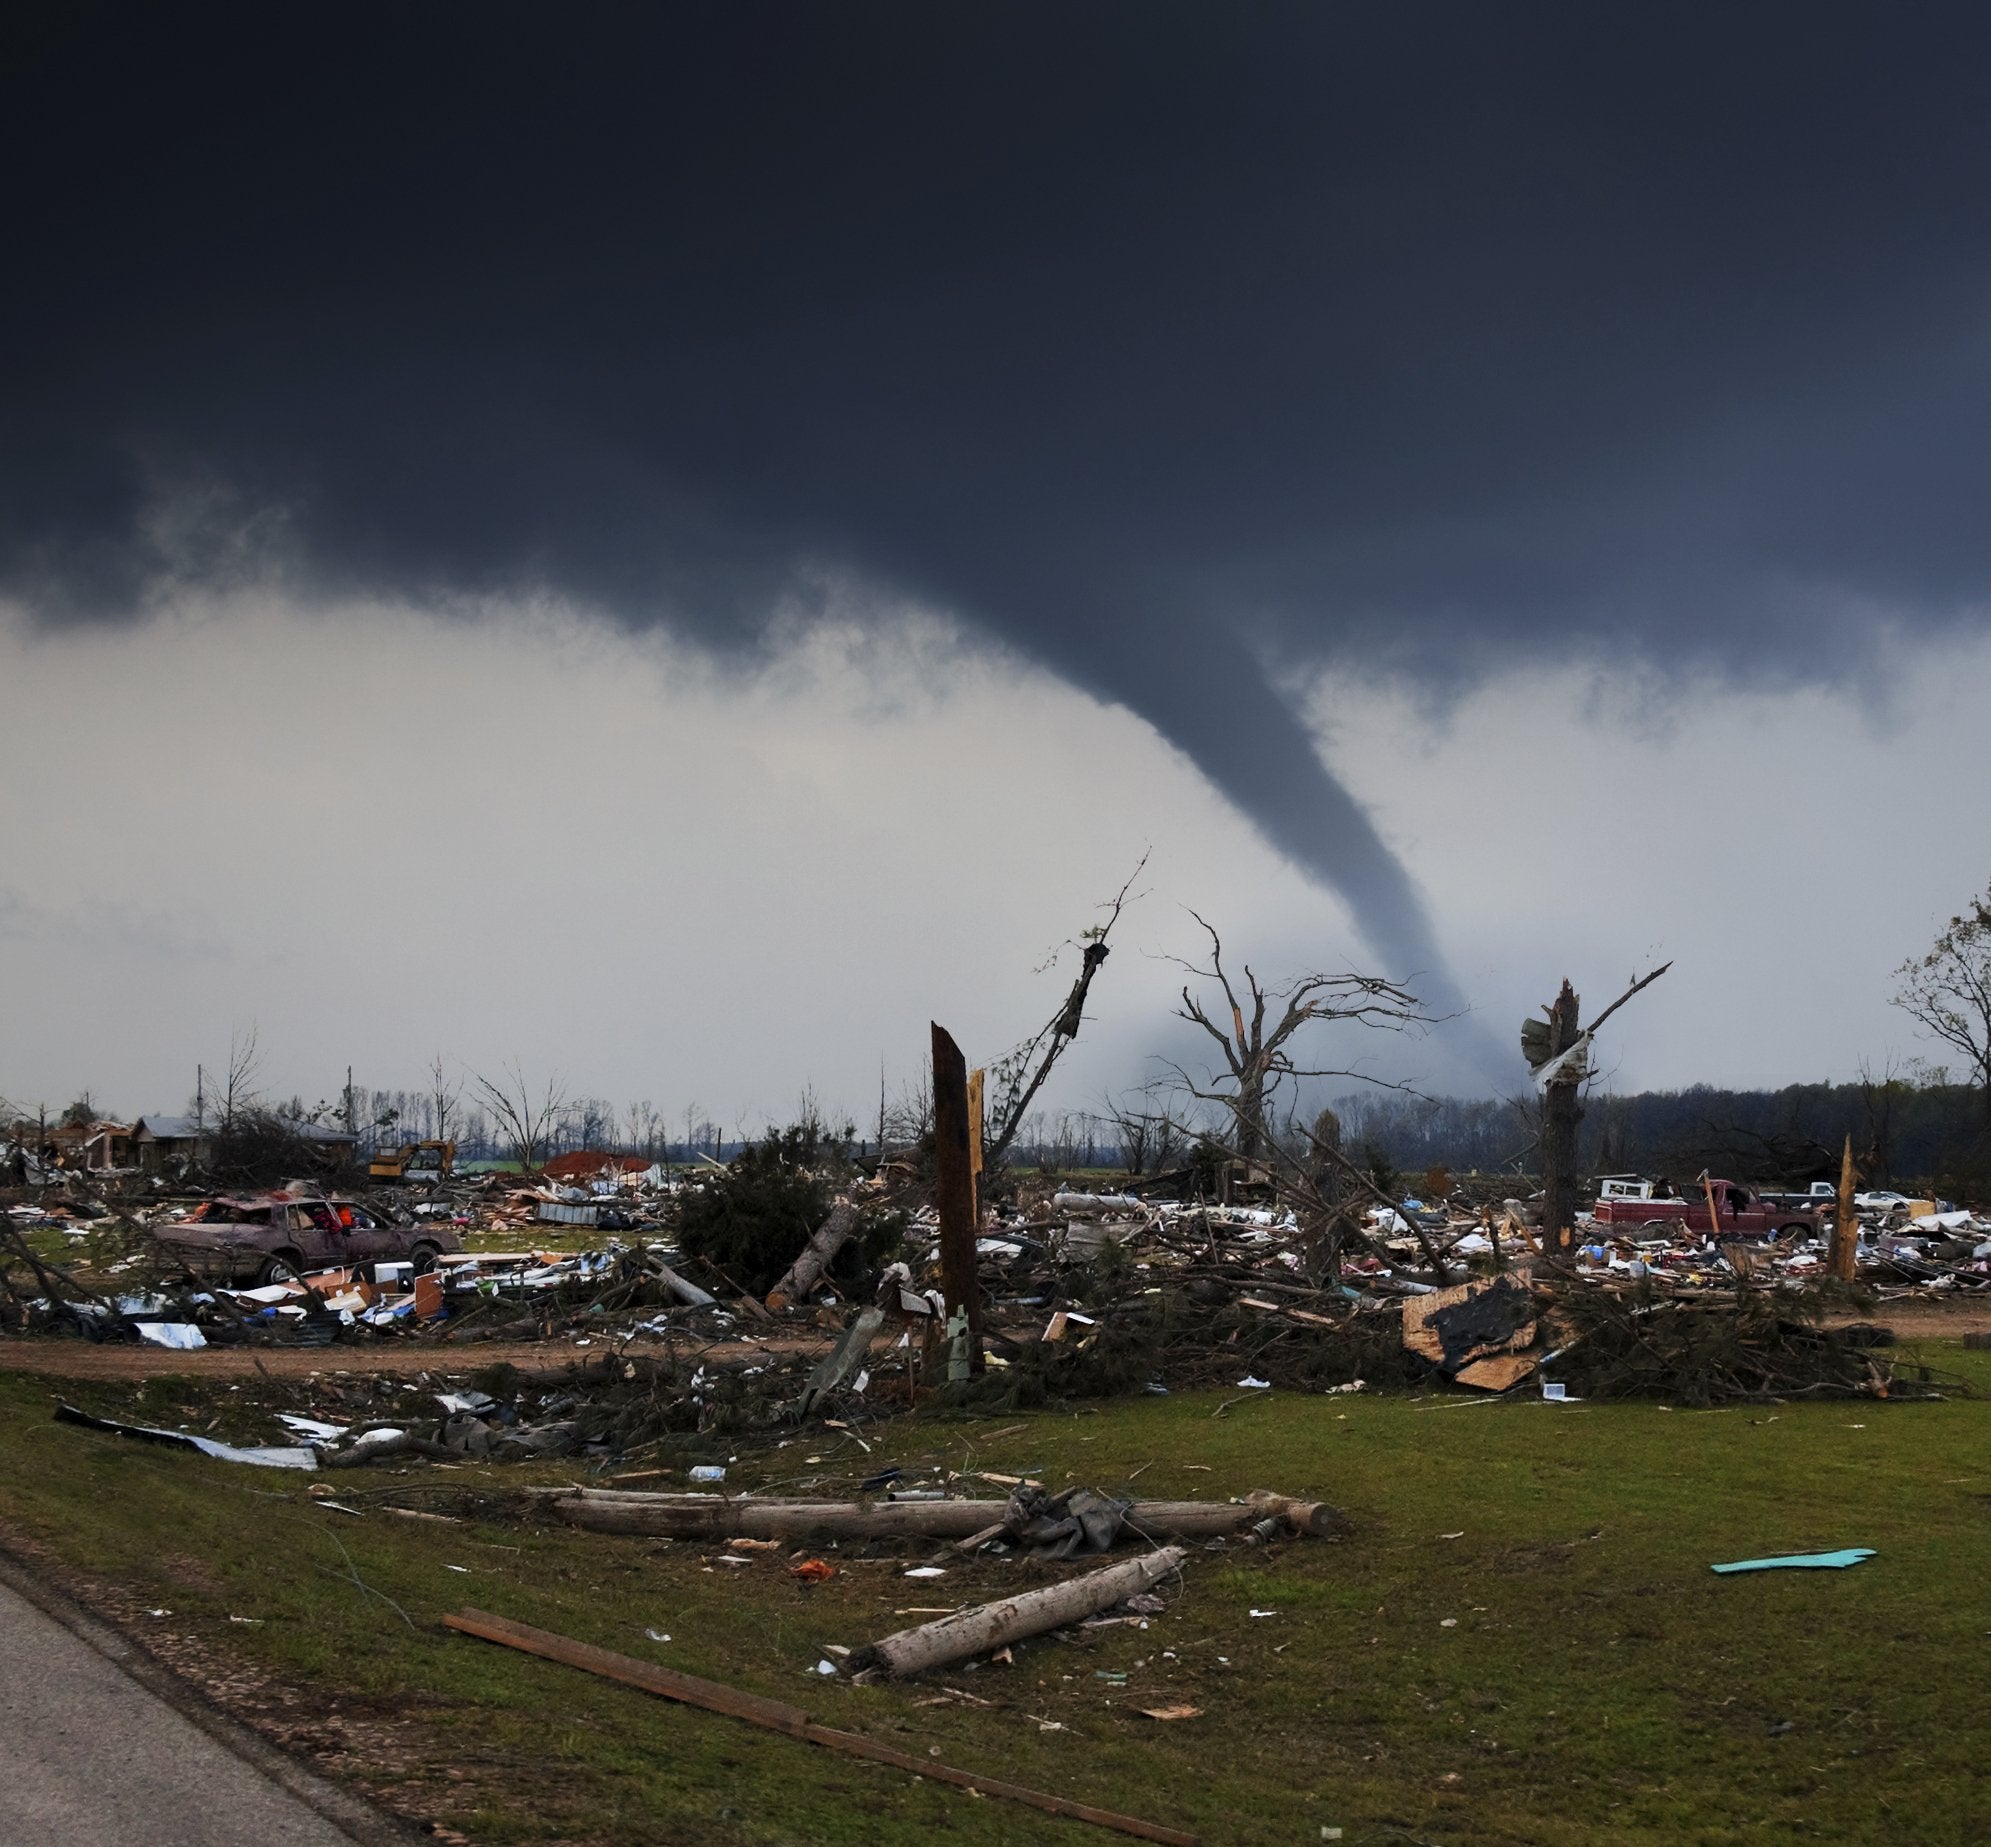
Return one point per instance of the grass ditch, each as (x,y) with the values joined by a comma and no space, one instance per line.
(1519,1641)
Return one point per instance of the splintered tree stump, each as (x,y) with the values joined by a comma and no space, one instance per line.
(1561,1112)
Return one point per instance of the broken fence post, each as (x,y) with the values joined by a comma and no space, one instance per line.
(989,1626)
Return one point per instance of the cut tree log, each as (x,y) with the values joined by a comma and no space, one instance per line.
(816,1256)
(989,1626)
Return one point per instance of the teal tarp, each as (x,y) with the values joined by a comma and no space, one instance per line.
(1803,1561)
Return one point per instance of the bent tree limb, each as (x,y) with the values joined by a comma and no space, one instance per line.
(1019,1077)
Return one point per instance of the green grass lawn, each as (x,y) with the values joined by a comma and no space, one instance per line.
(1519,1640)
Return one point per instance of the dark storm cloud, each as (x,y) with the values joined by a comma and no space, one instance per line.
(1158,340)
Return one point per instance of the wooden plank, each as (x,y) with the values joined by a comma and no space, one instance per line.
(665,1682)
(791,1721)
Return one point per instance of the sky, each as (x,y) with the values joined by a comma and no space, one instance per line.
(675,546)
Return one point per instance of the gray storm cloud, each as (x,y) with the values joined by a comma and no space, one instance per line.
(1154,341)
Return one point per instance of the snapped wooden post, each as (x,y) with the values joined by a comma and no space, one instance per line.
(954,1188)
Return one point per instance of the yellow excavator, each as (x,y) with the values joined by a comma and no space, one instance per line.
(414,1163)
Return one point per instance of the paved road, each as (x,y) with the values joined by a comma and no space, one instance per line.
(89,1757)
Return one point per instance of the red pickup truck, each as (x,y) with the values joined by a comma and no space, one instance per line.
(1739,1211)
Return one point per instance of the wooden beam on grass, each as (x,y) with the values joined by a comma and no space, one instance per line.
(792,1721)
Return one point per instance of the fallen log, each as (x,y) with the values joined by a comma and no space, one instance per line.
(685,1291)
(713,1516)
(816,1256)
(988,1626)
(1314,1517)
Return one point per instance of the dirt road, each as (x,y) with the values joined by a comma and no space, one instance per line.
(82,1359)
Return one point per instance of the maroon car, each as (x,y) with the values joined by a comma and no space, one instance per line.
(278,1235)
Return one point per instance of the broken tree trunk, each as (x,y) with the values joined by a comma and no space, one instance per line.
(1561,1112)
(989,1626)
(1846,1228)
(954,1188)
(816,1256)
(712,1516)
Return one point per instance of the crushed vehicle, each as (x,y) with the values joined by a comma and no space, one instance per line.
(273,1237)
(1736,1211)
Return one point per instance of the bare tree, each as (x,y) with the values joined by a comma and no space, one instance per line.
(1145,1123)
(643,1120)
(1258,1051)
(1016,1079)
(909,1121)
(238,1091)
(442,1098)
(1307,1167)
(523,1121)
(1948,991)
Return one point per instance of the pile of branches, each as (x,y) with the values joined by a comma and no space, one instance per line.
(38,1295)
(1169,1338)
(1749,1346)
(669,1408)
